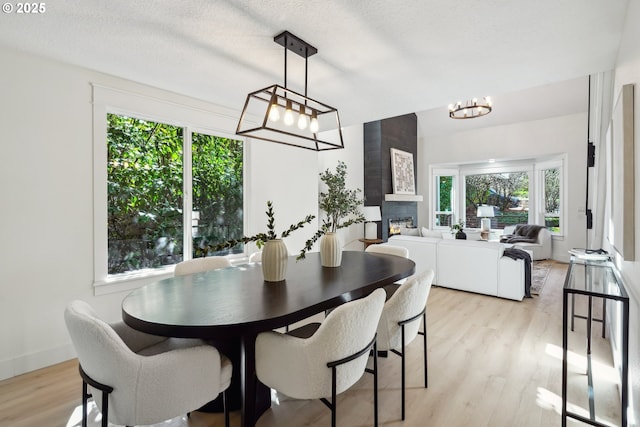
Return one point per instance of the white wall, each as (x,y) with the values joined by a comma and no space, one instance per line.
(533,139)
(628,71)
(353,156)
(46,208)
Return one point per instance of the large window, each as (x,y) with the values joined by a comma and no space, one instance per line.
(167,183)
(149,203)
(507,192)
(519,192)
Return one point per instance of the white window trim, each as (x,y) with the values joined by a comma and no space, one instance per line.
(534,169)
(435,172)
(215,120)
(506,168)
(540,167)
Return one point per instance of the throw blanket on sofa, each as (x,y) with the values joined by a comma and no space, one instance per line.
(527,233)
(514,253)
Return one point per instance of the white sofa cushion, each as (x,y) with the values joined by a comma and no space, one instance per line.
(406,231)
(425,232)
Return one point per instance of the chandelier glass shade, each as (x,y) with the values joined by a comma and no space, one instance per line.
(279,114)
(471,109)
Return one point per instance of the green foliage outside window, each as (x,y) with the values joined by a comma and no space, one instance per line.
(145,192)
(552,199)
(446,186)
(217,192)
(444,206)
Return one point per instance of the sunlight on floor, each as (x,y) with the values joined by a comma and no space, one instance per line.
(600,370)
(94,418)
(76,416)
(549,400)
(274,397)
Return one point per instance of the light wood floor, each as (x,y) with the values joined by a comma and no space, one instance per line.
(492,362)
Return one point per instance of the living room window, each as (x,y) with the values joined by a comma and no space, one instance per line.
(550,182)
(168,185)
(444,197)
(519,192)
(507,192)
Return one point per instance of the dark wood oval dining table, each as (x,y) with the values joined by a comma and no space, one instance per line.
(233,305)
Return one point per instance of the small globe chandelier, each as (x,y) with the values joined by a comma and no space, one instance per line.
(471,109)
(279,114)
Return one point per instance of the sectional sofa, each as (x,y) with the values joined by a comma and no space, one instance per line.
(473,266)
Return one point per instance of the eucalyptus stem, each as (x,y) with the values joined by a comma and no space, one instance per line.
(261,238)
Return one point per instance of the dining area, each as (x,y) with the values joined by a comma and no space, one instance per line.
(239,324)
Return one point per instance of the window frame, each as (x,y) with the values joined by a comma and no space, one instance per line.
(540,214)
(506,168)
(188,115)
(435,174)
(535,170)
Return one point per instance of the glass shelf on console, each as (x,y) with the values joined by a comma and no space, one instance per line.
(594,277)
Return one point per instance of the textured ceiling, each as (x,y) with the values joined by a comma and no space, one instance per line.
(375,58)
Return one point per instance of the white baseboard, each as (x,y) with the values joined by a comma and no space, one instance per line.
(30,362)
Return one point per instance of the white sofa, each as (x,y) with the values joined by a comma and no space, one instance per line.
(474,266)
(541,248)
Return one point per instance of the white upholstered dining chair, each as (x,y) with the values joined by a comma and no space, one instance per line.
(256,257)
(198,265)
(318,361)
(400,321)
(389,250)
(144,379)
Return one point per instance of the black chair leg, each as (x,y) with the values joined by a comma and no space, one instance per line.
(225,408)
(333,396)
(375,384)
(424,339)
(105,409)
(403,372)
(85,397)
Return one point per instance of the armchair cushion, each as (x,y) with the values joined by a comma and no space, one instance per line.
(535,238)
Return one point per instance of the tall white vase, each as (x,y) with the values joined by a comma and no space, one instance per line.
(330,250)
(274,260)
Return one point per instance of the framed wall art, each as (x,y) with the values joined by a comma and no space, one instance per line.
(403,178)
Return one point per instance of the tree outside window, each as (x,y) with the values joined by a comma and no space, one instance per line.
(507,192)
(145,174)
(444,201)
(552,199)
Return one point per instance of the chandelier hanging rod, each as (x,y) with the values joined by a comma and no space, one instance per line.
(298,46)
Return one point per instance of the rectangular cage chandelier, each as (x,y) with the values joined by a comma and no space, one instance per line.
(279,114)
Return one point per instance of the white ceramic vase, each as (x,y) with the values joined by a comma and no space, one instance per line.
(274,260)
(330,250)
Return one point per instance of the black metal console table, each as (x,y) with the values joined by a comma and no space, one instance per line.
(599,279)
